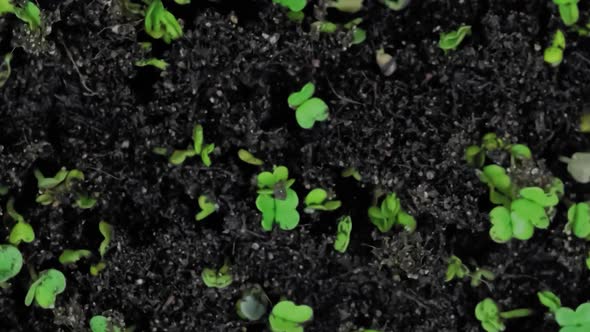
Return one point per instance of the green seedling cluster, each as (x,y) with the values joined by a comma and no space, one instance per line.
(308,110)
(207,207)
(492,319)
(160,23)
(578,216)
(449,41)
(346,6)
(568,10)
(103,324)
(106,230)
(457,270)
(5,69)
(317,200)
(343,234)
(568,319)
(276,200)
(28,13)
(286,316)
(53,189)
(578,166)
(22,230)
(249,158)
(553,54)
(475,155)
(220,278)
(252,305)
(390,213)
(357,34)
(396,5)
(45,289)
(11,262)
(198,148)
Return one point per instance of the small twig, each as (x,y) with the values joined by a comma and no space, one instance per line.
(82,79)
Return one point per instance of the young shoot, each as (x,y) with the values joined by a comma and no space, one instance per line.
(160,23)
(574,320)
(101,323)
(346,6)
(553,54)
(390,213)
(70,256)
(578,216)
(287,316)
(308,110)
(63,182)
(492,319)
(568,10)
(549,300)
(276,200)
(220,278)
(317,200)
(21,231)
(11,261)
(249,158)
(457,270)
(343,234)
(198,148)
(45,289)
(351,172)
(154,62)
(5,69)
(107,231)
(449,41)
(207,208)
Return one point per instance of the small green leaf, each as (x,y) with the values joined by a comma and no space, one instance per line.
(5,69)
(286,316)
(45,290)
(496,177)
(553,56)
(451,40)
(249,158)
(266,205)
(179,156)
(6,6)
(107,232)
(266,180)
(568,10)
(501,230)
(578,166)
(550,300)
(30,14)
(21,232)
(69,256)
(198,138)
(102,324)
(316,196)
(297,98)
(252,305)
(280,173)
(96,268)
(286,213)
(567,317)
(407,221)
(293,5)
(154,62)
(539,196)
(11,262)
(347,6)
(85,202)
(359,35)
(205,154)
(49,183)
(217,278)
(396,5)
(311,111)
(332,205)
(521,151)
(351,171)
(578,216)
(455,269)
(207,208)
(474,156)
(343,234)
(533,213)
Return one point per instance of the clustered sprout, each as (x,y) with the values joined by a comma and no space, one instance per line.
(553,54)
(29,13)
(390,213)
(457,270)
(160,23)
(343,234)
(52,190)
(492,319)
(11,262)
(107,231)
(22,230)
(45,289)
(286,316)
(357,35)
(219,278)
(317,200)
(276,200)
(308,110)
(568,319)
(449,41)
(198,148)
(568,10)
(207,207)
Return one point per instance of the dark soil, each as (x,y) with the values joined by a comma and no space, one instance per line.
(78,101)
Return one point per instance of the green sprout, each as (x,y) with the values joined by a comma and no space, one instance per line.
(553,54)
(449,41)
(5,69)
(343,234)
(574,321)
(578,166)
(64,181)
(292,5)
(475,155)
(107,231)
(316,200)
(347,6)
(351,172)
(457,270)
(69,256)
(359,35)
(29,13)
(21,231)
(568,10)
(220,278)
(197,148)
(46,288)
(286,316)
(207,208)
(492,319)
(11,261)
(276,200)
(308,110)
(253,303)
(249,158)
(396,5)
(578,216)
(101,323)
(324,27)
(160,23)
(154,62)
(549,300)
(389,214)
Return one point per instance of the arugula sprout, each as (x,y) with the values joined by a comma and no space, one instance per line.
(29,13)
(5,69)
(286,316)
(316,200)
(249,158)
(343,234)
(101,323)
(253,303)
(154,62)
(396,5)
(276,200)
(51,189)
(449,41)
(351,172)
(197,148)
(358,35)
(456,269)
(160,23)
(578,216)
(492,320)
(46,288)
(107,231)
(21,231)
(568,10)
(553,55)
(549,300)
(308,110)
(11,262)
(70,256)
(207,208)
(347,6)
(574,321)
(578,166)
(293,5)
(217,278)
(391,213)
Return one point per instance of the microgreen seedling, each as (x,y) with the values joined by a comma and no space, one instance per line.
(386,62)
(578,216)
(197,148)
(351,172)
(249,158)
(316,200)
(103,324)
(21,231)
(69,256)
(308,110)
(217,278)
(391,213)
(396,5)
(578,166)
(5,69)
(343,234)
(253,303)
(574,321)
(160,23)
(449,41)
(207,208)
(62,182)
(456,269)
(276,200)
(553,54)
(347,6)
(358,34)
(11,261)
(46,288)
(492,320)
(293,5)
(107,232)
(29,13)
(154,62)
(286,316)
(549,300)
(568,10)
(324,27)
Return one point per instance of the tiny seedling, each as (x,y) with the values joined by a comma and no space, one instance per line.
(276,200)
(316,200)
(343,234)
(286,316)
(549,300)
(346,6)
(456,269)
(207,207)
(578,216)
(553,54)
(160,23)
(69,256)
(64,181)
(449,41)
(292,5)
(351,172)
(253,303)
(492,319)
(107,232)
(154,62)
(578,166)
(308,110)
(103,324)
(28,13)
(217,278)
(391,213)
(21,231)
(568,10)
(11,261)
(249,158)
(5,69)
(46,288)
(197,148)
(396,5)
(358,35)
(574,321)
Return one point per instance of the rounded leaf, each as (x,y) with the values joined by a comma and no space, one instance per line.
(316,196)
(265,180)
(21,232)
(297,98)
(291,312)
(521,151)
(496,177)
(280,173)
(266,205)
(11,262)
(486,310)
(539,196)
(530,211)
(579,219)
(522,228)
(311,111)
